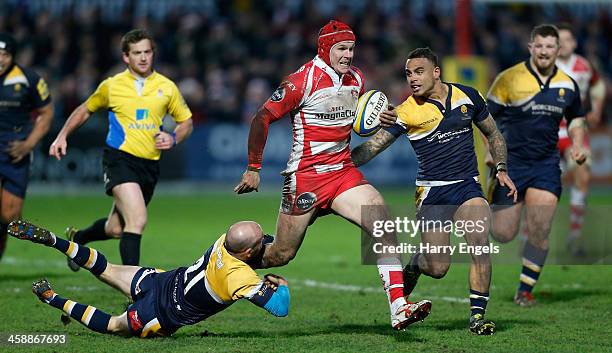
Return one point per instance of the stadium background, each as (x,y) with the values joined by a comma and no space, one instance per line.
(227,57)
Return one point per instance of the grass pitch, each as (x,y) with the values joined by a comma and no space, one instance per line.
(337,304)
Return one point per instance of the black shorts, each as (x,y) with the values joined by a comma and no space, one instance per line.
(121,167)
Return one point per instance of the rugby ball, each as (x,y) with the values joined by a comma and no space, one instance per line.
(367,116)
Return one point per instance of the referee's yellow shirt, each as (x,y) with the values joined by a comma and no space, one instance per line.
(136,108)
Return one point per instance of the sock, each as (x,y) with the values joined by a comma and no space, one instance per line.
(478,302)
(129,248)
(390,270)
(89,316)
(87,258)
(577,208)
(533,261)
(92,233)
(3,237)
(256,261)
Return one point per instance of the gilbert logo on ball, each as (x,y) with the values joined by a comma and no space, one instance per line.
(367,117)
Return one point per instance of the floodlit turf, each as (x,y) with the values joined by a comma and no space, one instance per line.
(337,305)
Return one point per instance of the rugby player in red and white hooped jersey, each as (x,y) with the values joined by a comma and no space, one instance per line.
(321,98)
(592,91)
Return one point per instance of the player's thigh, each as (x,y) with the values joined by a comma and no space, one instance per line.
(130,202)
(119,277)
(473,219)
(290,231)
(361,205)
(540,208)
(11,206)
(505,221)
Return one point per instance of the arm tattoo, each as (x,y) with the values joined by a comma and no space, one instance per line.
(369,149)
(497,145)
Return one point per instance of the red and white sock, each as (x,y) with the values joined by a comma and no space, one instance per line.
(390,270)
(577,210)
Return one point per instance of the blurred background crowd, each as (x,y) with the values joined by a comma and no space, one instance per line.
(228,56)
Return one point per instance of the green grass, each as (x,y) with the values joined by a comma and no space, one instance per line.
(574,314)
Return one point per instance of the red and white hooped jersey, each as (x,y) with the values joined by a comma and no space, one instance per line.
(322,108)
(578,68)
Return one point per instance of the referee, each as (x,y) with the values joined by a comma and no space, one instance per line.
(22,92)
(136,101)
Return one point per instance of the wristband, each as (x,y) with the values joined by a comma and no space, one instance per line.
(501,167)
(254,167)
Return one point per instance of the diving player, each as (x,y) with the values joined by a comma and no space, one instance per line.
(528,101)
(163,302)
(437,119)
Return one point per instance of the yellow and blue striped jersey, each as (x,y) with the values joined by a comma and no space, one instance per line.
(214,282)
(136,108)
(528,111)
(441,135)
(22,90)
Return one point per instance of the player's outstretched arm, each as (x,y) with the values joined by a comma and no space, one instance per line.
(59,146)
(258,135)
(363,153)
(497,148)
(273,295)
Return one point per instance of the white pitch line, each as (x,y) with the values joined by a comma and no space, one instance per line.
(363,289)
(18,261)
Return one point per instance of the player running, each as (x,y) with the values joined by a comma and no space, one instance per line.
(592,93)
(321,98)
(22,92)
(136,100)
(528,101)
(437,119)
(163,301)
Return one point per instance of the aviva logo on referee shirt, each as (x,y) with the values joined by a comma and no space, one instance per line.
(142,114)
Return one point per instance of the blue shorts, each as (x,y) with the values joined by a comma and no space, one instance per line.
(14,176)
(545,177)
(142,315)
(441,202)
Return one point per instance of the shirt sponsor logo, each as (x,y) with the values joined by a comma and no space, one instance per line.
(142,114)
(336,113)
(542,109)
(443,137)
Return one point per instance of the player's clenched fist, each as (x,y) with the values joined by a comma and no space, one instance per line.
(578,154)
(249,182)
